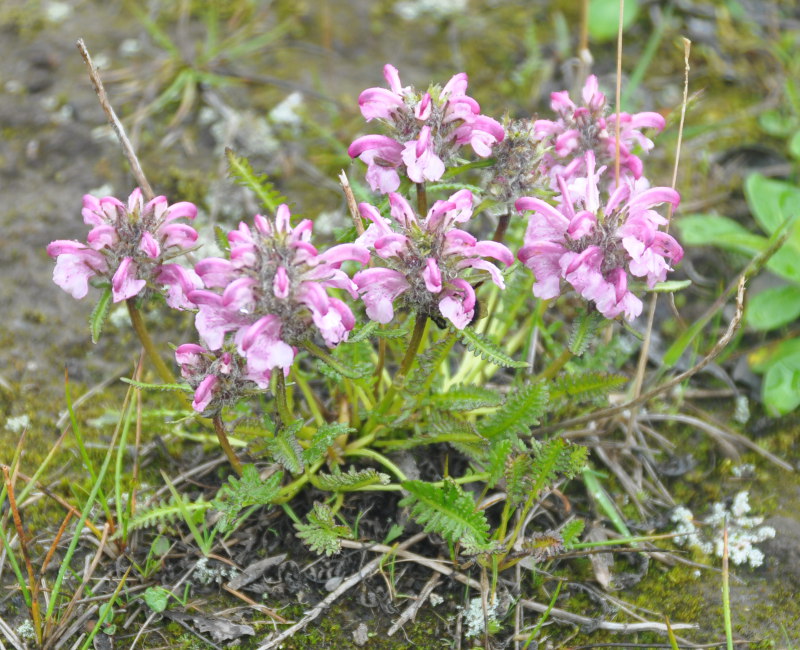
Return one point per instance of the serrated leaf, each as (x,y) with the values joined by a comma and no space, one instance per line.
(285,448)
(323,439)
(99,314)
(373,329)
(351,480)
(482,347)
(571,531)
(322,534)
(447,511)
(498,455)
(583,330)
(185,388)
(221,237)
(242,172)
(240,493)
(521,411)
(543,546)
(585,385)
(464,398)
(167,512)
(428,364)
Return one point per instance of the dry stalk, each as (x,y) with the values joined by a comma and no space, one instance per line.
(410,612)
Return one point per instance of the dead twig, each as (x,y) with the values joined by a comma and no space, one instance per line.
(351,203)
(348,583)
(113,120)
(410,612)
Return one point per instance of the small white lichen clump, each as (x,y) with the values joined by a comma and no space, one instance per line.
(743,531)
(473,616)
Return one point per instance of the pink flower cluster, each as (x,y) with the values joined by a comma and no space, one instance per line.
(594,245)
(426,261)
(219,377)
(129,245)
(427,130)
(273,293)
(580,129)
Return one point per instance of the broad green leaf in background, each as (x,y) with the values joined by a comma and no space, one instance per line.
(773,202)
(773,308)
(794,145)
(761,359)
(781,387)
(714,230)
(604,18)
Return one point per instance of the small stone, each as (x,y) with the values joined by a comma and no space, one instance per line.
(361,634)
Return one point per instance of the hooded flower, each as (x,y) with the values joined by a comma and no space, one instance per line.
(426,260)
(272,293)
(219,378)
(129,245)
(589,127)
(596,246)
(427,130)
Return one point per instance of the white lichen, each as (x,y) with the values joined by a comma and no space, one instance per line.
(743,531)
(474,619)
(25,630)
(18,423)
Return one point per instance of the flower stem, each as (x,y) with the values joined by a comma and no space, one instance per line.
(405,365)
(502,226)
(222,436)
(147,343)
(556,365)
(422,200)
(280,397)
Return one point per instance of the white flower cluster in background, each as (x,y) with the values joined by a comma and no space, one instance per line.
(743,531)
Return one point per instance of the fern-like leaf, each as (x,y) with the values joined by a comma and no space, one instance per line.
(99,314)
(553,458)
(585,385)
(428,364)
(464,398)
(517,472)
(322,534)
(498,455)
(447,511)
(242,172)
(323,439)
(571,532)
(351,480)
(240,493)
(372,329)
(521,411)
(185,388)
(482,347)
(167,512)
(286,450)
(582,332)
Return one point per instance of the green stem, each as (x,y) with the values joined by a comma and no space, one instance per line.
(222,436)
(405,365)
(147,343)
(280,397)
(502,227)
(556,365)
(380,458)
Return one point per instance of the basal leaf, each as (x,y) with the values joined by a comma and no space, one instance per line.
(773,308)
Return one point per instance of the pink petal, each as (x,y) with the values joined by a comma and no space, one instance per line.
(124,283)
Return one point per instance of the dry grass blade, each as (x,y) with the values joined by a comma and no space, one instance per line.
(410,612)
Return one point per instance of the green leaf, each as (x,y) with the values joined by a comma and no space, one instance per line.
(794,146)
(322,534)
(582,332)
(184,388)
(571,531)
(585,385)
(482,347)
(604,18)
(156,598)
(499,453)
(322,440)
(670,286)
(351,480)
(521,411)
(781,387)
(772,202)
(714,230)
(286,450)
(242,172)
(773,308)
(761,359)
(167,511)
(464,398)
(240,493)
(447,511)
(99,314)
(372,328)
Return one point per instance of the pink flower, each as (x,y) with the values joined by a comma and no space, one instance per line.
(128,246)
(594,246)
(426,130)
(590,127)
(218,377)
(426,260)
(274,293)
